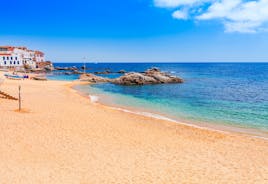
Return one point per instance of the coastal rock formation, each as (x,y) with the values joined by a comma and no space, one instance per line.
(151,76)
(62,68)
(93,78)
(85,68)
(68,73)
(134,78)
(104,72)
(77,72)
(46,65)
(109,72)
(121,71)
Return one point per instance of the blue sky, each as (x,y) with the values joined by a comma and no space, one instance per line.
(136,30)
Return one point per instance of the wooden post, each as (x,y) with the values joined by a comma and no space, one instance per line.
(84,58)
(19,98)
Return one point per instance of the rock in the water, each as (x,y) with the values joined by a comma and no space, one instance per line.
(121,71)
(105,72)
(59,68)
(154,69)
(46,65)
(134,79)
(93,78)
(73,68)
(77,72)
(151,76)
(68,73)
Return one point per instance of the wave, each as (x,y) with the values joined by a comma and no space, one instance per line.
(94,99)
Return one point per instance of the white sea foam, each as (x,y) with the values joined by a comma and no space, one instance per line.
(93,99)
(160,117)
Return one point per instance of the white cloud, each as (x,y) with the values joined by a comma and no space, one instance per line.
(219,9)
(180,14)
(236,15)
(242,27)
(175,3)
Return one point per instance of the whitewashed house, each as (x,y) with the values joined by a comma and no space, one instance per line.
(9,57)
(39,56)
(19,56)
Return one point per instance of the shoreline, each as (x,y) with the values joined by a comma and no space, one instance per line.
(63,138)
(222,128)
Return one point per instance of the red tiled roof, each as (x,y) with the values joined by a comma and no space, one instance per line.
(5,54)
(39,52)
(22,47)
(9,48)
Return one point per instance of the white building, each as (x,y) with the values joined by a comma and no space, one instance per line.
(19,57)
(39,56)
(9,57)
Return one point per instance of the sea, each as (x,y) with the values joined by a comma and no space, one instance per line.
(214,95)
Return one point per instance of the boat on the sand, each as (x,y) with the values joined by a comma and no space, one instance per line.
(15,77)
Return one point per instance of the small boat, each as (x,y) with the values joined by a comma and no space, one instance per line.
(14,77)
(40,78)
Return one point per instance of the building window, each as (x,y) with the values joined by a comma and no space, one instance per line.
(11,58)
(4,58)
(10,62)
(5,62)
(18,62)
(3,49)
(16,58)
(14,62)
(7,58)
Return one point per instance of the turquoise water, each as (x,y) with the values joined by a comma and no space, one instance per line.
(223,93)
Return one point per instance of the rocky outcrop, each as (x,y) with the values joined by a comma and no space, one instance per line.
(93,78)
(109,72)
(134,78)
(72,68)
(77,72)
(45,65)
(104,72)
(151,76)
(121,71)
(68,73)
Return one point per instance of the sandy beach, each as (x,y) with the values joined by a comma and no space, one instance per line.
(61,137)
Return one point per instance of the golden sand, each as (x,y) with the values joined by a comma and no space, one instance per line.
(60,137)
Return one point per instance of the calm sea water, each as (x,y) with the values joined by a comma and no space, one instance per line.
(218,93)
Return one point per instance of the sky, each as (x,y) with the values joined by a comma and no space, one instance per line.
(139,30)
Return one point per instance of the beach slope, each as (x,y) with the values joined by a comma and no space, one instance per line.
(60,137)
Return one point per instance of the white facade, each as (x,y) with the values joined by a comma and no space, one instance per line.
(39,56)
(19,56)
(28,58)
(10,58)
